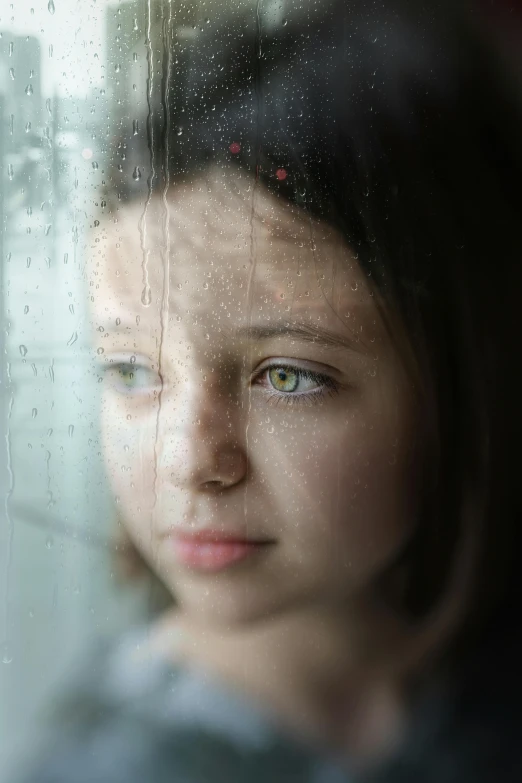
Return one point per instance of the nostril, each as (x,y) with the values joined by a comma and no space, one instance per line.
(215,484)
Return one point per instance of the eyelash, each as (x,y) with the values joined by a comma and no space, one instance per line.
(327,386)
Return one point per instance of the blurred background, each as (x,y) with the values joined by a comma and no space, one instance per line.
(69,69)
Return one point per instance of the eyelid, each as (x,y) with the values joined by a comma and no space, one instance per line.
(141,360)
(301,364)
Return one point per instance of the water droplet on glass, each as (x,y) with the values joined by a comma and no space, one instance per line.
(49,543)
(26,309)
(270,429)
(51,373)
(48,227)
(28,262)
(99,351)
(94,165)
(136,174)
(34,413)
(48,262)
(72,339)
(10,171)
(117,67)
(146,296)
(29,89)
(35,371)
(23,350)
(12,73)
(51,50)
(48,105)
(7,656)
(11,49)
(28,127)
(71,430)
(50,7)
(71,309)
(135,57)
(135,127)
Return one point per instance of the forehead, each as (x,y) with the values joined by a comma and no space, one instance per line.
(222,246)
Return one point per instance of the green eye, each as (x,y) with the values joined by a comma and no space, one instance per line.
(284,379)
(132,378)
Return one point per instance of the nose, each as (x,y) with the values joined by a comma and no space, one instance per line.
(203,440)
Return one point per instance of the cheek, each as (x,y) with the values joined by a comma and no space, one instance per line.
(129,453)
(348,485)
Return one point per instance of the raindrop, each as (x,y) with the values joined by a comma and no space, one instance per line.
(71,309)
(48,105)
(50,7)
(51,50)
(51,373)
(11,48)
(11,124)
(28,262)
(23,350)
(99,351)
(103,204)
(117,67)
(270,429)
(146,296)
(26,309)
(96,223)
(35,371)
(49,433)
(180,132)
(136,174)
(118,321)
(48,262)
(135,28)
(34,413)
(49,543)
(72,339)
(29,89)
(7,656)
(70,430)
(94,165)
(135,57)
(12,73)
(10,171)
(28,127)
(48,227)
(65,258)
(135,127)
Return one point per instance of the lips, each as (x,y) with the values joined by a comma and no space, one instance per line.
(213,551)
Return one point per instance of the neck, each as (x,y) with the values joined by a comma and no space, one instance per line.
(317,670)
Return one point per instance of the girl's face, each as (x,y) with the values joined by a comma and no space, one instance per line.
(257,422)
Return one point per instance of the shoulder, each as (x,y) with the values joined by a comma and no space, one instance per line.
(134,715)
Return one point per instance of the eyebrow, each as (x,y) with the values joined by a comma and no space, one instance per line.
(308,333)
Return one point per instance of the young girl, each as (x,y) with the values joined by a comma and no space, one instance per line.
(302,292)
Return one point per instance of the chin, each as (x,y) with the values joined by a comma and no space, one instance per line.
(212,606)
